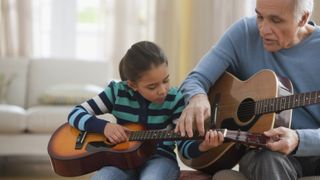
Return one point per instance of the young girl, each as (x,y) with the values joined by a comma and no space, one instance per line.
(143,96)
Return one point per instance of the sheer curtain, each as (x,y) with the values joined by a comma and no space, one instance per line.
(105,29)
(15,28)
(100,30)
(316,12)
(187,29)
(133,21)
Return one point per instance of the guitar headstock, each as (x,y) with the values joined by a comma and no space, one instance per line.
(255,140)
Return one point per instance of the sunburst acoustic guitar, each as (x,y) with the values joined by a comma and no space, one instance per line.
(74,153)
(262,102)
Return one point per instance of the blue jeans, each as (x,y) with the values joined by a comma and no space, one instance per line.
(156,168)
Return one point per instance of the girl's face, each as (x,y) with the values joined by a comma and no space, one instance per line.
(153,84)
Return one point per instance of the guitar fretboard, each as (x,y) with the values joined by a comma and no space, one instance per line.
(159,135)
(242,137)
(286,102)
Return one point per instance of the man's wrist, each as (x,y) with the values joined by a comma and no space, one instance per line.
(198,97)
(296,148)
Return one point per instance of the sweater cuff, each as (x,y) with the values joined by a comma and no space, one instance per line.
(296,149)
(96,125)
(309,142)
(193,150)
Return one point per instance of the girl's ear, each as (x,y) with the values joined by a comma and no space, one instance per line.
(132,85)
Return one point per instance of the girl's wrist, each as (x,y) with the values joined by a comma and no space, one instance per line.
(202,147)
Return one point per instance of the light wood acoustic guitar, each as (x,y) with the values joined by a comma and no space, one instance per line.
(74,153)
(262,102)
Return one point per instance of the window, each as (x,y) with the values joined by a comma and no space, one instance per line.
(89,30)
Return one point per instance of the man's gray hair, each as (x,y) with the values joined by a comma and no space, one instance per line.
(301,7)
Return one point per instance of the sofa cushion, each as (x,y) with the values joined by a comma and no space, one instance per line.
(13,84)
(12,119)
(46,119)
(69,94)
(45,73)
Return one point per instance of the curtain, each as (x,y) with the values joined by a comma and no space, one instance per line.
(316,12)
(15,28)
(132,23)
(187,29)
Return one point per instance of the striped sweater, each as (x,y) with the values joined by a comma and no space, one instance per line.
(129,106)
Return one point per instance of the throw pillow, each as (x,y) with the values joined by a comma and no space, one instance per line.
(69,94)
(5,82)
(2,88)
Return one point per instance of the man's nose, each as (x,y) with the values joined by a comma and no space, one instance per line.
(265,28)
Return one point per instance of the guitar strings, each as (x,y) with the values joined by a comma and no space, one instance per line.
(315,100)
(247,107)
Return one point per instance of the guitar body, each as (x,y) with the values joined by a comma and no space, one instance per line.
(95,152)
(228,98)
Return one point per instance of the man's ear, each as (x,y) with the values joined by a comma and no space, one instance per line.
(132,85)
(304,19)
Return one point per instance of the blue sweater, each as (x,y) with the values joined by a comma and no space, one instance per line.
(241,52)
(129,106)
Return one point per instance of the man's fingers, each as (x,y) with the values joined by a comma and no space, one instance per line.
(188,125)
(275,146)
(180,125)
(274,132)
(200,123)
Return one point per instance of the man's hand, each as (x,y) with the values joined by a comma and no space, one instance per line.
(197,111)
(282,139)
(115,133)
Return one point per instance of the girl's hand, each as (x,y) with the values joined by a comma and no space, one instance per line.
(213,139)
(116,133)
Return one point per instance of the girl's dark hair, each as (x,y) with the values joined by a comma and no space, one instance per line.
(141,57)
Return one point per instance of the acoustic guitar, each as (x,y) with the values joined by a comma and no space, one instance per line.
(262,102)
(74,153)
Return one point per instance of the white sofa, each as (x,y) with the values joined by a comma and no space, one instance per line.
(26,123)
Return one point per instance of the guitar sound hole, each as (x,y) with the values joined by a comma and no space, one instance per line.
(246,110)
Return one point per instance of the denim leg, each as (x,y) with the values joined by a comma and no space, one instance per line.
(265,165)
(113,173)
(160,168)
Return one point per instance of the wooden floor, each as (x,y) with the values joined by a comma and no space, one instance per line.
(30,168)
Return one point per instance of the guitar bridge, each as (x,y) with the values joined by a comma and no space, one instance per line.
(80,139)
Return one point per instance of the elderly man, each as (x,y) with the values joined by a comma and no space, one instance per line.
(280,38)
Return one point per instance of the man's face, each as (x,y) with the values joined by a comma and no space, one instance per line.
(277,26)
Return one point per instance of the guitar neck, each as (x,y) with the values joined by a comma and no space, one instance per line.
(286,102)
(166,135)
(253,139)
